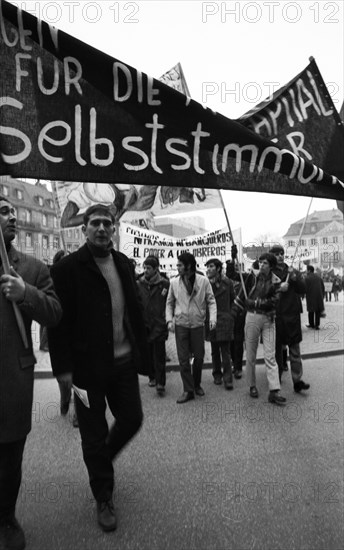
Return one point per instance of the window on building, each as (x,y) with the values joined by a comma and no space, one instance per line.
(335,239)
(291,243)
(44,220)
(55,222)
(313,241)
(19,194)
(28,215)
(45,241)
(4,190)
(40,201)
(28,240)
(50,203)
(56,243)
(69,233)
(325,240)
(302,242)
(69,247)
(330,257)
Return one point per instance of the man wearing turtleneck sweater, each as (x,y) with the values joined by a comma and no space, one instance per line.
(100,345)
(29,287)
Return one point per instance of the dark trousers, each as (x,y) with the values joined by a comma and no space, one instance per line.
(221,357)
(314,319)
(296,367)
(237,344)
(11,457)
(120,388)
(157,361)
(190,341)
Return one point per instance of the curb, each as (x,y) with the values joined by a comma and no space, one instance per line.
(174,367)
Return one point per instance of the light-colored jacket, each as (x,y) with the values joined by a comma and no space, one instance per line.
(189,310)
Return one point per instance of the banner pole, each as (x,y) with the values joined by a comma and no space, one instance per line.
(7,271)
(231,235)
(58,214)
(300,236)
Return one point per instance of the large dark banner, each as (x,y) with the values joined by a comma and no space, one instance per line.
(301,117)
(70,112)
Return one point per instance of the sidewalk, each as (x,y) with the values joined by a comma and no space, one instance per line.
(328,341)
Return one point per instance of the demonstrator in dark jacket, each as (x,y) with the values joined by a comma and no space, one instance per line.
(100,345)
(153,290)
(288,318)
(220,336)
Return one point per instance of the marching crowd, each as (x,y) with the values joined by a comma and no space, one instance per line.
(106,326)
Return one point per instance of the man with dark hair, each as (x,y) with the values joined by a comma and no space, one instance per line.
(100,345)
(29,287)
(288,318)
(188,298)
(153,289)
(220,337)
(260,322)
(315,291)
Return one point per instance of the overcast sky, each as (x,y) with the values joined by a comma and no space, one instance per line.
(233,55)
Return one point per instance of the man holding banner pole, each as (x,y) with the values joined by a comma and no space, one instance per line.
(27,286)
(288,320)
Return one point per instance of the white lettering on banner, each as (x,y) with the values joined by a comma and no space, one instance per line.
(127,79)
(20,33)
(70,65)
(273,152)
(8,131)
(139,244)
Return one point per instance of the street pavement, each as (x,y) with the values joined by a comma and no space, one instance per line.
(329,340)
(222,472)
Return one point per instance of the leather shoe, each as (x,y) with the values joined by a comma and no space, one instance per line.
(106,515)
(160,389)
(237,374)
(12,533)
(228,385)
(199,391)
(152,383)
(276,397)
(253,391)
(186,396)
(301,385)
(218,380)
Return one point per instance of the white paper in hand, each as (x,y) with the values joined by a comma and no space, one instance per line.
(82,394)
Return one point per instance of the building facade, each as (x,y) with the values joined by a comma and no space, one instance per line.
(322,241)
(38,231)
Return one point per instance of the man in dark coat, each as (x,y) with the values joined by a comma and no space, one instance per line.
(30,287)
(315,291)
(220,337)
(100,345)
(153,289)
(288,318)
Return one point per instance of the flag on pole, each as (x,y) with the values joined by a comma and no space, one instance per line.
(61,121)
(302,117)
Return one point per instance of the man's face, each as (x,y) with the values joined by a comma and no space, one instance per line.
(279,257)
(149,271)
(264,267)
(181,268)
(8,221)
(99,229)
(211,271)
